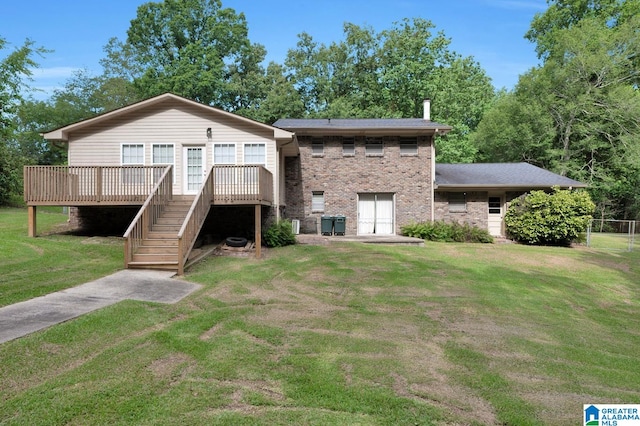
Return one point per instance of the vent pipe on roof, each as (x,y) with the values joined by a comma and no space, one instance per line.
(427,109)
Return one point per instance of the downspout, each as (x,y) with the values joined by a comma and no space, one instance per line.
(276,183)
(433,176)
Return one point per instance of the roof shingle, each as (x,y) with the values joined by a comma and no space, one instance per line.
(500,175)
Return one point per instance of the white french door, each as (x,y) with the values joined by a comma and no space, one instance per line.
(375,214)
(193,168)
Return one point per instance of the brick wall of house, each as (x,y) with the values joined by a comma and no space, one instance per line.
(342,178)
(476,214)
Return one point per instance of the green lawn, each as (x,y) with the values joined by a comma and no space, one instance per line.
(31,267)
(345,334)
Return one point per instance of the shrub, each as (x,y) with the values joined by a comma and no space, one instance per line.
(447,232)
(555,218)
(280,234)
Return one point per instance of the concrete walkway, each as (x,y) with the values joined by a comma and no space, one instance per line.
(144,285)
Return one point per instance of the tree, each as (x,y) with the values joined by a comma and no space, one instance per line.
(194,48)
(579,113)
(15,70)
(281,98)
(565,14)
(555,218)
(388,74)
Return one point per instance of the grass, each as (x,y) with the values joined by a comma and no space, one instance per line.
(53,261)
(614,241)
(347,334)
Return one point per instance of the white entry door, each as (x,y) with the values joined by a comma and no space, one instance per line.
(375,214)
(193,168)
(496,214)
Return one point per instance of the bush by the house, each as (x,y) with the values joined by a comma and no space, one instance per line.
(447,232)
(555,218)
(280,234)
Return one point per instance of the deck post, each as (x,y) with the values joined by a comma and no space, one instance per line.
(258,236)
(32,221)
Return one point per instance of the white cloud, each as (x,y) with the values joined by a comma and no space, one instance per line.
(53,73)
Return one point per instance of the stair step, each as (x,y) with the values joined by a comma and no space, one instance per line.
(167,266)
(170,221)
(160,242)
(166,228)
(162,235)
(174,213)
(155,257)
(148,249)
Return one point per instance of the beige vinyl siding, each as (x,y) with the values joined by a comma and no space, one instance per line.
(168,122)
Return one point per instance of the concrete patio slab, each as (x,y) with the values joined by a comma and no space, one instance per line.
(36,314)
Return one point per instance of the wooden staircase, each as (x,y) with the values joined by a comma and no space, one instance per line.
(159,248)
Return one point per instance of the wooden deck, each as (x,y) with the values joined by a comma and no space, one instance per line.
(131,185)
(164,231)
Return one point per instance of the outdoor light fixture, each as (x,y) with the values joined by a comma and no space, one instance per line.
(208,132)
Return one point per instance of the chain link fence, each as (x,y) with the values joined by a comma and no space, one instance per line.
(609,234)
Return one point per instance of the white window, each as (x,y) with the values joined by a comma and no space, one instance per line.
(255,153)
(132,155)
(317,147)
(348,147)
(163,153)
(224,153)
(457,202)
(317,201)
(409,146)
(374,146)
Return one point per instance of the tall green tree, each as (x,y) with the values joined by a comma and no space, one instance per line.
(15,71)
(388,74)
(579,113)
(564,14)
(194,48)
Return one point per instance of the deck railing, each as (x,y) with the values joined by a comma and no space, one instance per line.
(195,218)
(242,185)
(148,214)
(81,185)
(91,185)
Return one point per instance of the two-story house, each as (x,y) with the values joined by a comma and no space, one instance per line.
(167,169)
(379,173)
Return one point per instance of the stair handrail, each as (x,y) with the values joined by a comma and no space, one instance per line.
(148,214)
(194,219)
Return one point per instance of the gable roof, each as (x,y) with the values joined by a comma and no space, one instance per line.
(62,133)
(351,126)
(500,175)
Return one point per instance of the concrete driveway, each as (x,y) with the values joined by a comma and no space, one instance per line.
(144,285)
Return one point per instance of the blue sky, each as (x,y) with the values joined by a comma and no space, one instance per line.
(77,30)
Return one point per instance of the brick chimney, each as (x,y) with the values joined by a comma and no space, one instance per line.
(427,110)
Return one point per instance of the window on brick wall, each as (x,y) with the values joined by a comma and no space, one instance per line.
(374,146)
(409,146)
(317,146)
(457,202)
(348,147)
(317,201)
